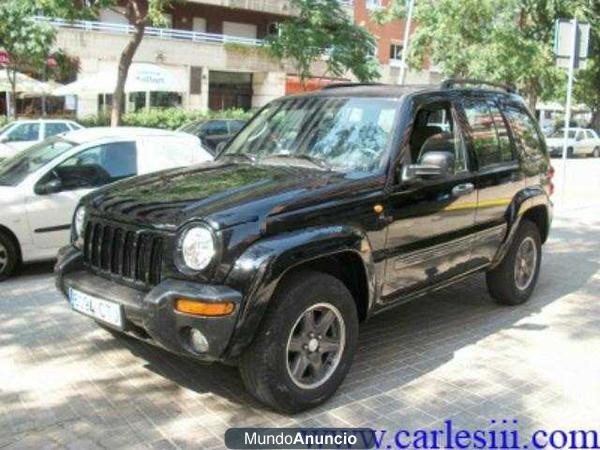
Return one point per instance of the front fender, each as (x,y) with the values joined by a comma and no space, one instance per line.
(261,267)
(525,201)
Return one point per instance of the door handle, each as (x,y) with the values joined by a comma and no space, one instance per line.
(463,189)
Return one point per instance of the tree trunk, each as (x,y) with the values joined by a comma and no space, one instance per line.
(13,94)
(124,64)
(595,122)
(532,102)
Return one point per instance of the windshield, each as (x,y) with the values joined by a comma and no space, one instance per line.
(14,170)
(342,134)
(561,133)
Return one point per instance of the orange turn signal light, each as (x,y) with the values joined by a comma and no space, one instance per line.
(200,308)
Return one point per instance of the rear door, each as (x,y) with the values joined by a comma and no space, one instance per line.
(499,175)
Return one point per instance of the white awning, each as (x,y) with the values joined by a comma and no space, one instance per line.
(25,83)
(142,77)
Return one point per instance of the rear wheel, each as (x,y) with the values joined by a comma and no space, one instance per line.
(596,152)
(9,256)
(305,345)
(570,152)
(513,281)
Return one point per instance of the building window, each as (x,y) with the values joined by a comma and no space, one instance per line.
(199,25)
(373,4)
(396,53)
(272,29)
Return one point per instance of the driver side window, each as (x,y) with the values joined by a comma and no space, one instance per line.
(434,130)
(97,166)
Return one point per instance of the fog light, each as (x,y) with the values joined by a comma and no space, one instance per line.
(197,341)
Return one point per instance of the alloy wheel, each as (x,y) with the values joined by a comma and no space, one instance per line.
(525,263)
(3,258)
(315,345)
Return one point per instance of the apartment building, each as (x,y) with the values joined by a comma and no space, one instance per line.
(214,47)
(390,43)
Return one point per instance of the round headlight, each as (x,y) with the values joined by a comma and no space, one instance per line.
(197,248)
(78,220)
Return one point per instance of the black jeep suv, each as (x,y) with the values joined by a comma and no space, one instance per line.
(324,209)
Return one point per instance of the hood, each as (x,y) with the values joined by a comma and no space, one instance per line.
(223,194)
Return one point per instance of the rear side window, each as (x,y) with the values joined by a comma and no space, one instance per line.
(488,133)
(53,129)
(525,131)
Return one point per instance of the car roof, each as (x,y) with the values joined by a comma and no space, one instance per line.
(397,91)
(43,120)
(95,133)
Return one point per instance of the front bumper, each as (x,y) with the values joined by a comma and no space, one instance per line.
(151,315)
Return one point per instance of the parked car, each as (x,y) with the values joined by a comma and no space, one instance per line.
(580,142)
(213,132)
(40,187)
(327,208)
(21,134)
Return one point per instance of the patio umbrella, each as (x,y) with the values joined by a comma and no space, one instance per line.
(25,83)
(45,88)
(142,77)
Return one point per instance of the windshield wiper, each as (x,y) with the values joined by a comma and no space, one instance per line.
(321,163)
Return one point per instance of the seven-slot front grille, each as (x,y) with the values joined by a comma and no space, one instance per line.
(132,255)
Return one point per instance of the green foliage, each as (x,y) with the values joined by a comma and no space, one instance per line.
(587,86)
(248,50)
(27,42)
(323,32)
(506,41)
(168,118)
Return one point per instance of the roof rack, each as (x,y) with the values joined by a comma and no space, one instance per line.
(348,84)
(452,82)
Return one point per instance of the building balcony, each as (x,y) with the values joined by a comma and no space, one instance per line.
(161,33)
(279,7)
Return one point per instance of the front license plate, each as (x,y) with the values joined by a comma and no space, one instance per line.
(95,307)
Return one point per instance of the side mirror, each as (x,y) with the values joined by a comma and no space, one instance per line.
(431,165)
(50,187)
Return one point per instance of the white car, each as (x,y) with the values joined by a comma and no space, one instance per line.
(581,142)
(21,134)
(41,186)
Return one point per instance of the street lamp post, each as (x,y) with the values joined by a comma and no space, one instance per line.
(407,25)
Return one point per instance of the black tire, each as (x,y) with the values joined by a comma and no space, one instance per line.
(502,281)
(9,256)
(264,365)
(570,152)
(596,152)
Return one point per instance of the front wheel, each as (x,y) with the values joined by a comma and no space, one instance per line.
(513,280)
(305,345)
(596,152)
(9,256)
